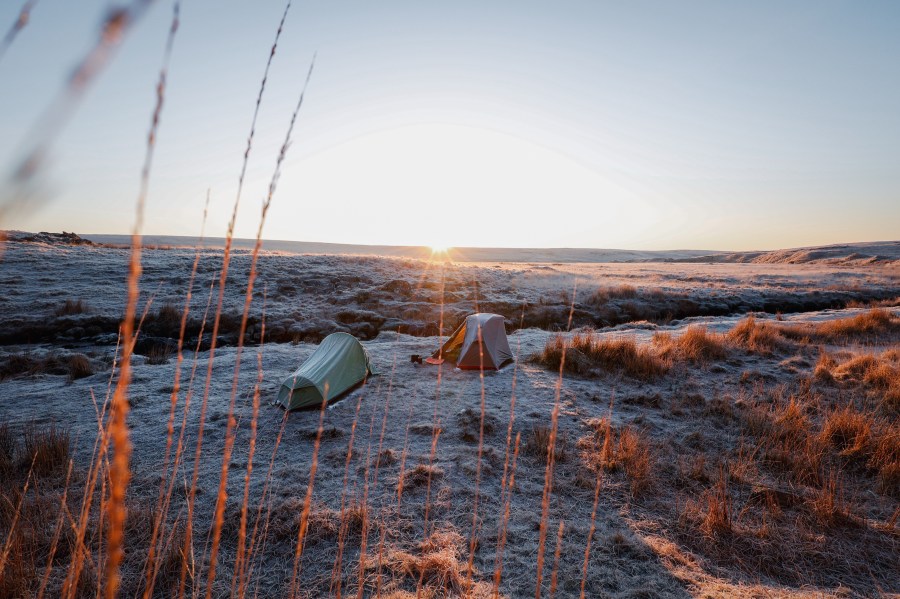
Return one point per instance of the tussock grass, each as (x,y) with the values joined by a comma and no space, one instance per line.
(695,345)
(169,314)
(718,516)
(827,505)
(159,354)
(75,366)
(877,323)
(537,444)
(27,364)
(585,353)
(71,308)
(756,337)
(603,294)
(79,367)
(626,449)
(433,568)
(824,365)
(47,448)
(879,374)
(420,475)
(848,431)
(8,443)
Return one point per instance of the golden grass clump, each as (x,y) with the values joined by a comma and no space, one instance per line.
(636,459)
(885,458)
(824,367)
(788,442)
(586,353)
(876,372)
(856,367)
(47,448)
(756,337)
(718,518)
(79,366)
(627,450)
(882,376)
(419,476)
(8,442)
(71,307)
(696,345)
(849,431)
(878,322)
(537,444)
(604,294)
(827,505)
(169,314)
(712,513)
(436,565)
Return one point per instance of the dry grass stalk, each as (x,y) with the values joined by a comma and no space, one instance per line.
(336,570)
(504,521)
(378,460)
(230,432)
(257,541)
(238,583)
(165,491)
(473,535)
(116,24)
(304,516)
(556,554)
(436,421)
(17,26)
(11,537)
(718,518)
(216,321)
(551,447)
(56,532)
(828,505)
(120,472)
(360,512)
(590,536)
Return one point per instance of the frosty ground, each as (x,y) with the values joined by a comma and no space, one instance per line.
(698,421)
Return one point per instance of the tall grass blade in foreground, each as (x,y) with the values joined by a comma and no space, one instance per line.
(120,472)
(551,451)
(229,431)
(17,26)
(223,277)
(116,25)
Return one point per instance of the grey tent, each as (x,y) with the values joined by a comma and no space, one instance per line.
(338,364)
(464,349)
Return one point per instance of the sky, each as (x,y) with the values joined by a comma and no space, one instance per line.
(638,125)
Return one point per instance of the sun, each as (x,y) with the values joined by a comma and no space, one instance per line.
(439,249)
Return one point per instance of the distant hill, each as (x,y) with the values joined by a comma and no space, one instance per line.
(849,254)
(462,254)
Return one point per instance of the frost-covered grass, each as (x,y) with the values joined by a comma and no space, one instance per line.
(720,444)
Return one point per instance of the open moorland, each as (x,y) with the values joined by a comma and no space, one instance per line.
(669,429)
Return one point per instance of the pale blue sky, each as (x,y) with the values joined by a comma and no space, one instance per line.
(651,125)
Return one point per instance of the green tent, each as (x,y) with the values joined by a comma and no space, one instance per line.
(338,364)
